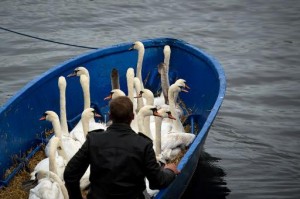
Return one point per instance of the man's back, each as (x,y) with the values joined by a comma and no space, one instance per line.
(117,159)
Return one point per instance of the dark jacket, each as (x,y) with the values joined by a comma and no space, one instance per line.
(120,160)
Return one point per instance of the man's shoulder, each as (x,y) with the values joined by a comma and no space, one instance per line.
(96,131)
(144,136)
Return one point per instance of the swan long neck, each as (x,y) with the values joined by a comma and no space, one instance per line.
(165,85)
(52,155)
(56,127)
(115,83)
(130,83)
(149,101)
(63,188)
(172,95)
(140,102)
(167,54)
(85,124)
(140,121)
(149,97)
(158,123)
(85,84)
(62,102)
(141,52)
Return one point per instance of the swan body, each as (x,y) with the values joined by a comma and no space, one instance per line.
(50,186)
(173,92)
(55,163)
(71,146)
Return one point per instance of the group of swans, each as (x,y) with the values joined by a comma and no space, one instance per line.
(171,138)
(64,144)
(166,130)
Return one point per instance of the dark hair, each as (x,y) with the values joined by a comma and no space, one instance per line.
(121,110)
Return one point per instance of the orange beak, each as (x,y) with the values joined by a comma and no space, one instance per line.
(42,118)
(108,97)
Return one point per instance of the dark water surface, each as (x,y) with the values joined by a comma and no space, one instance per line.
(256,134)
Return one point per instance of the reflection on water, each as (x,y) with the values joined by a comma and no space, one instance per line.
(208,180)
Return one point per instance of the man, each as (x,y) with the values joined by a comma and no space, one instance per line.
(119,158)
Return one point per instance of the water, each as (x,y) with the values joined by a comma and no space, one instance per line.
(256,134)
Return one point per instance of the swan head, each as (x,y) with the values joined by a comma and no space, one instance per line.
(62,82)
(145,93)
(167,49)
(115,93)
(149,110)
(176,88)
(137,45)
(49,116)
(165,113)
(89,113)
(79,71)
(182,82)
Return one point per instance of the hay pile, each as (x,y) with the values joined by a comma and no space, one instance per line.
(14,190)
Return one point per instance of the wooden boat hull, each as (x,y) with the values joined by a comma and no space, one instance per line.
(20,129)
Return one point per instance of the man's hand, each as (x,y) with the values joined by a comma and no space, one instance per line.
(173,167)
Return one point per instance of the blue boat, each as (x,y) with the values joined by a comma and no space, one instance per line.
(20,129)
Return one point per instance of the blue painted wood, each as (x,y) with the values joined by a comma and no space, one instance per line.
(21,130)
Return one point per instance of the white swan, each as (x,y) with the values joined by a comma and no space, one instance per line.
(138,88)
(84,78)
(167,55)
(77,131)
(130,84)
(177,138)
(160,131)
(86,116)
(173,92)
(68,150)
(62,84)
(49,186)
(163,70)
(139,46)
(149,97)
(146,110)
(70,145)
(64,132)
(55,163)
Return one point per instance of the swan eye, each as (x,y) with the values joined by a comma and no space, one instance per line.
(154,109)
(59,148)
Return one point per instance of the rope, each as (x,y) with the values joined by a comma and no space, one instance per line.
(48,40)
